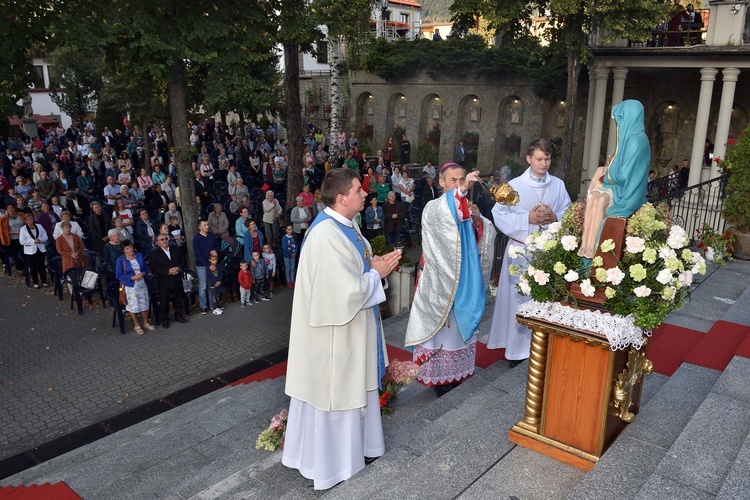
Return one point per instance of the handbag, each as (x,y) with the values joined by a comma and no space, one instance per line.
(409,198)
(187,285)
(122,298)
(90,280)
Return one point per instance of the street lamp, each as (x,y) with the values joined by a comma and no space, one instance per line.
(383,13)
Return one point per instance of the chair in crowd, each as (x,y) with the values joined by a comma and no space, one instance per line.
(113,297)
(152,282)
(189,295)
(74,277)
(54,267)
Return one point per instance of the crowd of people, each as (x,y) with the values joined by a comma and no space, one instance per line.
(97,193)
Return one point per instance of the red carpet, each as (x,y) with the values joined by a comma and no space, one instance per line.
(398,353)
(487,357)
(716,348)
(744,348)
(46,491)
(274,371)
(669,345)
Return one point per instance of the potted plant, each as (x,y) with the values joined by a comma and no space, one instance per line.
(718,247)
(736,208)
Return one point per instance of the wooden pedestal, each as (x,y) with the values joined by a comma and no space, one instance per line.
(579,395)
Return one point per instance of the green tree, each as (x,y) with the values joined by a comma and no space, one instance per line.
(167,41)
(344,20)
(570,23)
(80,78)
(24,35)
(296,32)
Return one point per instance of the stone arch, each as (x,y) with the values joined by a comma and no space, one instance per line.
(363,120)
(508,145)
(468,120)
(664,128)
(430,116)
(395,115)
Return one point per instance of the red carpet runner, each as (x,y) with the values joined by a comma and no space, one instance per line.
(46,491)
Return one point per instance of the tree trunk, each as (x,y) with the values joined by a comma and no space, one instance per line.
(293,118)
(241,132)
(183,153)
(334,54)
(566,156)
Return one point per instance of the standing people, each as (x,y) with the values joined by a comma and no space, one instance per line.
(336,348)
(460,154)
(245,280)
(168,264)
(271,213)
(301,219)
(450,296)
(289,252)
(98,227)
(131,271)
(405,151)
(32,238)
(205,245)
(543,201)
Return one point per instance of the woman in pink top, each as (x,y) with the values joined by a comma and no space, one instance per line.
(144,181)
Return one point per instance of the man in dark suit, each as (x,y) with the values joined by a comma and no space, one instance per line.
(167,263)
(460,156)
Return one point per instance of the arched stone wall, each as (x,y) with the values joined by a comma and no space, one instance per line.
(430,115)
(363,120)
(664,128)
(510,116)
(469,119)
(396,115)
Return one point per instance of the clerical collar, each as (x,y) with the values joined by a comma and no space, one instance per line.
(338,217)
(537,179)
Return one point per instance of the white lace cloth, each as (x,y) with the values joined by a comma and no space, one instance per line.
(620,331)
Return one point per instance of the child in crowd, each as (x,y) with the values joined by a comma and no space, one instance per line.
(245,279)
(259,270)
(178,235)
(214,285)
(234,205)
(289,251)
(270,259)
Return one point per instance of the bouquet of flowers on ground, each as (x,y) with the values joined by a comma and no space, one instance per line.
(651,278)
(272,438)
(718,247)
(397,374)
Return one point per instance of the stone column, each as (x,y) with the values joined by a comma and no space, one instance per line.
(587,135)
(725,116)
(708,76)
(602,75)
(618,90)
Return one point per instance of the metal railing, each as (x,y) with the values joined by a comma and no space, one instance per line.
(694,206)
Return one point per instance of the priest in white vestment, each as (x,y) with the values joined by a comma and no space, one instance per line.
(544,199)
(337,350)
(450,296)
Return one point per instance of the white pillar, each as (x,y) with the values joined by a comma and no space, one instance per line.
(595,151)
(587,135)
(618,90)
(725,116)
(708,76)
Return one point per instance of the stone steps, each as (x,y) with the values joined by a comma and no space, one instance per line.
(703,460)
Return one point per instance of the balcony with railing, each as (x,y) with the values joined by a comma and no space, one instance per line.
(723,24)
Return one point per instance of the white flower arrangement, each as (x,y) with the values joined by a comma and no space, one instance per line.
(651,278)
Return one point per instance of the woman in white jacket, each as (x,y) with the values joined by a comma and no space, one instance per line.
(33,237)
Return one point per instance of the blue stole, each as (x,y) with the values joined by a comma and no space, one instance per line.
(355,238)
(471,297)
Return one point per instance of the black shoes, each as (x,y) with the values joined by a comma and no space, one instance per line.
(442,390)
(181,320)
(515,362)
(165,323)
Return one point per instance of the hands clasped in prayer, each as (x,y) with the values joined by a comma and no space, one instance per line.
(384,264)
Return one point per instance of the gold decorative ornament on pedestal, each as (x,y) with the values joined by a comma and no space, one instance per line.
(580,394)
